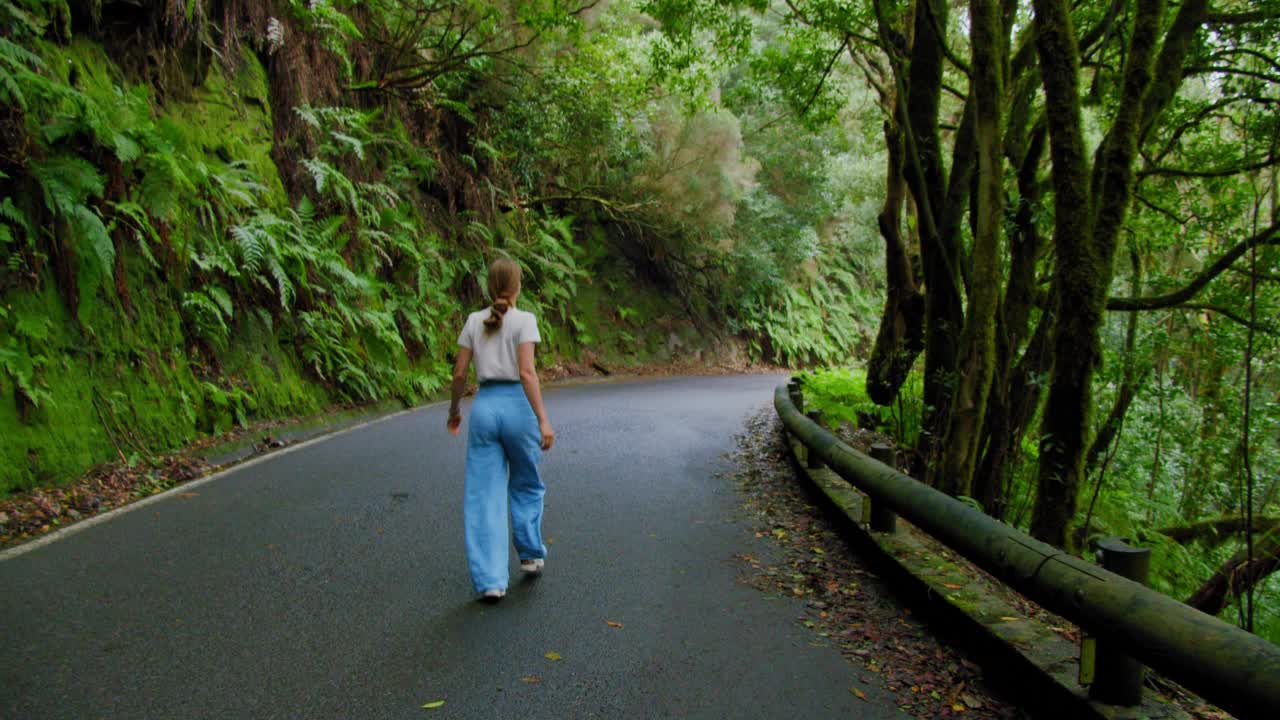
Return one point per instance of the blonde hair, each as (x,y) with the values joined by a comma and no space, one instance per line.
(504,285)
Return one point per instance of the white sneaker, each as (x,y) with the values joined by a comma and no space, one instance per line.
(493,595)
(532,567)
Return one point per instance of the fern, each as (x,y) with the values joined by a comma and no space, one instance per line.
(208,311)
(135,217)
(67,182)
(23,22)
(16,64)
(93,236)
(14,216)
(22,367)
(284,285)
(353,143)
(253,245)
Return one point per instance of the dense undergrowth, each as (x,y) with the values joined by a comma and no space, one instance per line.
(217,212)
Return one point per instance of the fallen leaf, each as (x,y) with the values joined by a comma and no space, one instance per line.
(1008,619)
(553,656)
(188,495)
(952,586)
(957,707)
(858,693)
(819,551)
(613,624)
(531,679)
(433,705)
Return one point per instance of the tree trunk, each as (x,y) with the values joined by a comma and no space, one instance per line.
(901,335)
(1063,428)
(1237,575)
(939,251)
(1013,398)
(1131,380)
(1199,480)
(1087,221)
(977,342)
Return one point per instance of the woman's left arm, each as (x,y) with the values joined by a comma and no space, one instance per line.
(533,391)
(460,368)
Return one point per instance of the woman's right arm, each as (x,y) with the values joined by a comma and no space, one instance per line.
(533,391)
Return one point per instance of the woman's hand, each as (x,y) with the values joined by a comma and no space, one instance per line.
(548,434)
(454,423)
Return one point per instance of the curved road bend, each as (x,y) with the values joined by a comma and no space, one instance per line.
(329,582)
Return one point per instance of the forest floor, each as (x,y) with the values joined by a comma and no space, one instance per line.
(39,511)
(850,607)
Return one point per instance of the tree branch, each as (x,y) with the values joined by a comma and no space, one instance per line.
(961,65)
(1213,173)
(1241,18)
(1170,61)
(1218,529)
(1230,315)
(1269,236)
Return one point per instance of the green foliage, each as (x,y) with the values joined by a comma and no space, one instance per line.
(208,297)
(841,394)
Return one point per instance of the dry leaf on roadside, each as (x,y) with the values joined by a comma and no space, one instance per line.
(553,656)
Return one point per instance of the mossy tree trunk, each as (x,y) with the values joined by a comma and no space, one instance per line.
(977,352)
(1089,210)
(939,252)
(939,200)
(900,337)
(1015,394)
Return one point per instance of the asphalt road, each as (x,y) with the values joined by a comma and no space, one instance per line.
(330,582)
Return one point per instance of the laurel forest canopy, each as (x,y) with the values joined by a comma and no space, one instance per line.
(1079,221)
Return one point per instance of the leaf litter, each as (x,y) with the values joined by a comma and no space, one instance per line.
(845,604)
(850,607)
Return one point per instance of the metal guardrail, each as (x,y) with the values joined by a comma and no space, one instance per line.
(1231,668)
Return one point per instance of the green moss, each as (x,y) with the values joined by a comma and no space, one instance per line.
(620,324)
(229,119)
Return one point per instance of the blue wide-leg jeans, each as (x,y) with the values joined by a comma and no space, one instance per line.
(504,447)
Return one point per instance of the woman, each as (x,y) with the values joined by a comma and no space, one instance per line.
(508,430)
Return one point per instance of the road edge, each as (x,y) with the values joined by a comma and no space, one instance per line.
(321,434)
(1041,665)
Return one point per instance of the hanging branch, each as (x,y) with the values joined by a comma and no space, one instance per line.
(1269,236)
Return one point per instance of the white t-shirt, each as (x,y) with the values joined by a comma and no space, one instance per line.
(495,353)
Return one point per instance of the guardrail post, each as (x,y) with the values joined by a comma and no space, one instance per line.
(883,519)
(796,393)
(1119,677)
(815,462)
